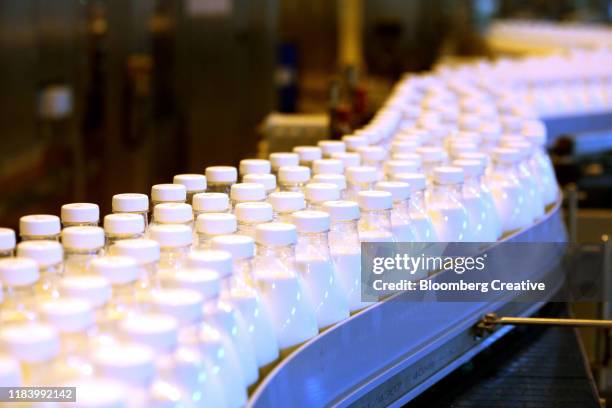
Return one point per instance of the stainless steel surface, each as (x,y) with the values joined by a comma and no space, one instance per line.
(490,320)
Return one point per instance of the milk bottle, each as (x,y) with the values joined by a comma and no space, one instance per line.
(211,225)
(317,193)
(285,203)
(445,207)
(541,166)
(360,178)
(401,223)
(80,214)
(146,253)
(174,242)
(375,221)
(249,215)
(49,256)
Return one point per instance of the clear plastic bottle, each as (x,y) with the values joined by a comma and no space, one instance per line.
(329,147)
(123,226)
(254,166)
(375,221)
(80,214)
(541,166)
(528,179)
(345,249)
(373,156)
(194,184)
(10,372)
(360,178)
(317,269)
(49,257)
(81,246)
(348,159)
(173,214)
(401,222)
(338,179)
(19,277)
(446,208)
(167,193)
(478,200)
(267,180)
(249,215)
(223,316)
(308,154)
(221,178)
(393,167)
(211,225)
(246,193)
(278,160)
(284,203)
(146,253)
(240,292)
(353,142)
(132,203)
(327,166)
(40,226)
(175,243)
(317,193)
(210,203)
(431,158)
(423,224)
(7,242)
(279,285)
(293,178)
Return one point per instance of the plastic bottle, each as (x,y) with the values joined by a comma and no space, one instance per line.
(348,159)
(423,225)
(375,220)
(329,147)
(123,226)
(373,156)
(360,178)
(308,154)
(146,253)
(211,225)
(174,242)
(81,246)
(401,222)
(528,179)
(278,160)
(284,203)
(255,166)
(317,193)
(352,142)
(80,214)
(221,178)
(210,203)
(327,166)
(249,215)
(194,184)
(404,146)
(7,242)
(431,158)
(293,178)
(393,167)
(317,269)
(41,226)
(411,157)
(247,192)
(240,292)
(267,180)
(173,214)
(277,279)
(132,203)
(49,256)
(540,163)
(445,206)
(338,179)
(19,277)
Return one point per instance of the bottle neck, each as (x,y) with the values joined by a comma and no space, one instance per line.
(111,239)
(357,186)
(312,245)
(173,258)
(248,228)
(216,187)
(375,225)
(79,224)
(275,259)
(344,236)
(283,216)
(148,280)
(295,187)
(190,195)
(144,214)
(443,191)
(243,272)
(55,237)
(49,279)
(76,262)
(401,207)
(18,304)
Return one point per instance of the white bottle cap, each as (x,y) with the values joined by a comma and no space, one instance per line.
(216,223)
(219,261)
(506,155)
(123,223)
(185,305)
(321,192)
(10,372)
(457,149)
(192,182)
(338,179)
(404,146)
(448,175)
(254,212)
(129,363)
(374,200)
(7,239)
(278,160)
(372,153)
(481,157)
(210,202)
(276,233)
(100,393)
(171,235)
(68,315)
(470,167)
(204,281)
(168,193)
(308,154)
(144,251)
(255,166)
(329,147)
(342,210)
(83,238)
(156,330)
(118,269)
(430,154)
(16,272)
(413,157)
(311,221)
(287,201)
(245,192)
(39,225)
(240,246)
(348,159)
(267,180)
(417,181)
(30,342)
(45,253)
(173,213)
(221,174)
(525,148)
(361,174)
(80,213)
(331,166)
(400,166)
(399,190)
(352,142)
(96,290)
(130,202)
(293,174)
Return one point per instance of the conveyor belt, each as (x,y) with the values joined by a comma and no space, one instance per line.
(531,368)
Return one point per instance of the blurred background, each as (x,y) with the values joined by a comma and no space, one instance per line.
(102,97)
